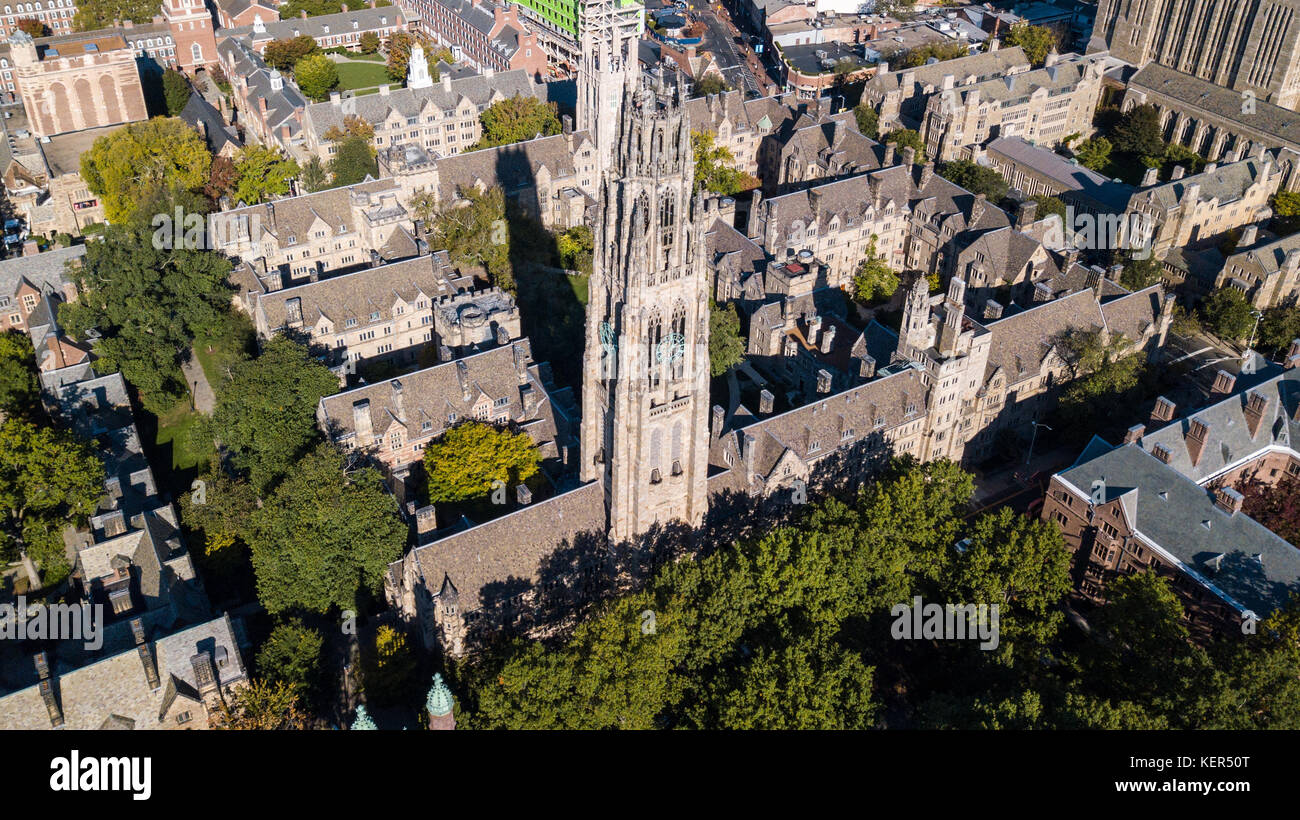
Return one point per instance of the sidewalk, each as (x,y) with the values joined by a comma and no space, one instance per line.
(1010,481)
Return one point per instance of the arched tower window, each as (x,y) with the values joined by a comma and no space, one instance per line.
(196,52)
(654,337)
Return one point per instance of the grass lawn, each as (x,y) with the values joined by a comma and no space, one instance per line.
(354,75)
(232,344)
(174,434)
(579,284)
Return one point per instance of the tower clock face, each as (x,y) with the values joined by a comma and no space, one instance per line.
(671,349)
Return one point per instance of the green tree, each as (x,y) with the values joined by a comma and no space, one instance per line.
(1140,273)
(1101,400)
(726,345)
(474,230)
(121,168)
(1276,330)
(262,174)
(710,84)
(1020,564)
(907,138)
(316,75)
(48,479)
(464,462)
(369,42)
(576,246)
(1227,314)
(33,26)
(20,393)
(314,176)
(1286,212)
(801,686)
(1094,153)
(713,169)
(1048,206)
(1138,132)
(266,414)
(399,53)
(874,281)
(97,14)
(176,91)
(1037,41)
(868,120)
(285,54)
(263,706)
(975,178)
(353,161)
(147,303)
(515,120)
(325,534)
(292,655)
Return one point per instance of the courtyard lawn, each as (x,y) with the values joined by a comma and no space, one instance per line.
(219,353)
(174,429)
(579,284)
(355,75)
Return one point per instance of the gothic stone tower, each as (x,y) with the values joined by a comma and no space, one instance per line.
(608,65)
(645,387)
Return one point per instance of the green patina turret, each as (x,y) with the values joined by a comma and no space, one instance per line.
(439,704)
(363,719)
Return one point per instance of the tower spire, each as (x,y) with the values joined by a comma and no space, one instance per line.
(439,703)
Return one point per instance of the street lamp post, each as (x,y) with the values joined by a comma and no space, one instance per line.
(1258,315)
(1032,439)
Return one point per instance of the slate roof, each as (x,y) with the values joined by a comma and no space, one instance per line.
(1229,440)
(336,207)
(480,90)
(1057,79)
(202,117)
(40,270)
(1227,183)
(1067,173)
(93,695)
(1178,517)
(822,422)
(493,560)
(362,18)
(428,401)
(928,78)
(281,104)
(1280,123)
(360,294)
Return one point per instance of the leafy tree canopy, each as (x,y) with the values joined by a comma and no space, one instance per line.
(713,167)
(874,280)
(464,462)
(316,75)
(262,174)
(975,178)
(1037,41)
(353,161)
(176,91)
(907,138)
(515,120)
(325,534)
(1227,314)
(123,167)
(266,414)
(726,345)
(20,393)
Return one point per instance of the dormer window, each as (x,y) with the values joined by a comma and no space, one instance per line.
(374,317)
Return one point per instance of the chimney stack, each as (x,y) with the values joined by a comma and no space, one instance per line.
(426,521)
(867,367)
(361,425)
(765,402)
(523,495)
(1224,382)
(823,381)
(1228,499)
(1134,434)
(145,651)
(1256,407)
(1198,435)
(828,338)
(719,417)
(1163,411)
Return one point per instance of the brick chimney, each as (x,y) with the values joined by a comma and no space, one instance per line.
(1134,434)
(1228,499)
(1161,452)
(1163,411)
(1256,406)
(1224,382)
(1293,354)
(718,418)
(31,248)
(1198,434)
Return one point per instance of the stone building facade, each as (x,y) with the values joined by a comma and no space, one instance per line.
(1043,106)
(1252,46)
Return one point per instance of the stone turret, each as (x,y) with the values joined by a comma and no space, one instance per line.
(440,703)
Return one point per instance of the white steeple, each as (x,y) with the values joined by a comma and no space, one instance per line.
(417,69)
